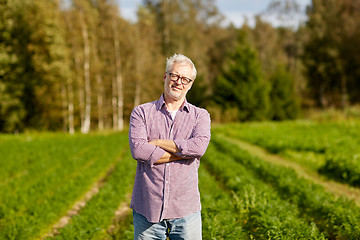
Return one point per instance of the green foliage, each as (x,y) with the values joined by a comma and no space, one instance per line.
(342,161)
(43,175)
(46,54)
(43,60)
(12,110)
(332,52)
(241,85)
(198,95)
(94,219)
(32,56)
(220,213)
(261,211)
(338,142)
(338,218)
(283,100)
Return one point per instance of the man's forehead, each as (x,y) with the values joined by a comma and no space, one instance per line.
(182,66)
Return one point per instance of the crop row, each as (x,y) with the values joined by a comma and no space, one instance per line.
(336,218)
(220,218)
(338,142)
(56,163)
(94,220)
(242,196)
(262,213)
(44,175)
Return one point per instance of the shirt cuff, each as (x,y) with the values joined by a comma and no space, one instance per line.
(155,156)
(182,146)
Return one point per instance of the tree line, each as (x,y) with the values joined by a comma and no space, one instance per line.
(79,65)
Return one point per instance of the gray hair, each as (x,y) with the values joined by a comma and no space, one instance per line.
(179,58)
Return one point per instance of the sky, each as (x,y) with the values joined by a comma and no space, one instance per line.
(235,11)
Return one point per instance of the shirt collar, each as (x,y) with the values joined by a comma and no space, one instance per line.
(161,103)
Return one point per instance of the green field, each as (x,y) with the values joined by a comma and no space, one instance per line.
(286,180)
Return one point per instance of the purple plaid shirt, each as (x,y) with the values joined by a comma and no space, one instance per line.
(170,190)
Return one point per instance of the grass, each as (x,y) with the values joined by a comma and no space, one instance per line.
(243,196)
(46,174)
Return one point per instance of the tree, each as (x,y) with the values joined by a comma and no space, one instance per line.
(349,15)
(265,39)
(118,82)
(283,99)
(12,110)
(241,87)
(82,19)
(37,45)
(331,53)
(84,10)
(148,59)
(286,11)
(190,27)
(321,53)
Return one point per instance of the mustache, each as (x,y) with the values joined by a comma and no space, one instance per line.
(175,85)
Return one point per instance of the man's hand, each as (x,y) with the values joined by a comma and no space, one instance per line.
(170,147)
(167,157)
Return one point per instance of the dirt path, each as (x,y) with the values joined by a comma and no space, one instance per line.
(73,211)
(336,188)
(78,205)
(122,211)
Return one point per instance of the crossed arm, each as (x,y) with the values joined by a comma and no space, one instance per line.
(161,150)
(170,148)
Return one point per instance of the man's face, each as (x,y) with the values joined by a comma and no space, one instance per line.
(175,89)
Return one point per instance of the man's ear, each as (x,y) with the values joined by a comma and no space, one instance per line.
(164,77)
(191,84)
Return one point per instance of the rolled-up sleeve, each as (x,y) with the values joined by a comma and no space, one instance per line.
(140,149)
(195,147)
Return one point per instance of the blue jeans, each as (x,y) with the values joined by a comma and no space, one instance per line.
(186,228)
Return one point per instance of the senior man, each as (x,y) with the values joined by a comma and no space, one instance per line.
(167,138)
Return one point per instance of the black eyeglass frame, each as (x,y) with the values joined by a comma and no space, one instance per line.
(184,80)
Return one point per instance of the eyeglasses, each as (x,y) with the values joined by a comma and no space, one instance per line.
(174,77)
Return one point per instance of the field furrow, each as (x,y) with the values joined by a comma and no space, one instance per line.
(338,189)
(338,218)
(262,213)
(287,180)
(27,213)
(338,142)
(95,219)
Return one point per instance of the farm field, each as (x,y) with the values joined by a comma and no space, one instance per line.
(286,180)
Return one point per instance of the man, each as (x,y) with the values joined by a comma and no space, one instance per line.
(167,138)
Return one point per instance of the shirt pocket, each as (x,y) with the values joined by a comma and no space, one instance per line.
(156,128)
(156,133)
